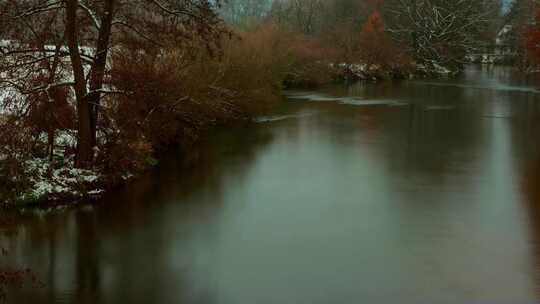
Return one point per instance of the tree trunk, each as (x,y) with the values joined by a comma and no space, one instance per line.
(84,138)
(98,68)
(51,98)
(50,139)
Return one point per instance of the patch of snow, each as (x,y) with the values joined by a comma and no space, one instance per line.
(51,182)
(441,69)
(66,139)
(96,192)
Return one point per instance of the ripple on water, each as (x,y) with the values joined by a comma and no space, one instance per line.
(369,102)
(348,100)
(494,87)
(274,118)
(440,108)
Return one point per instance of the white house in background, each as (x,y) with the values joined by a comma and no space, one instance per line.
(502,45)
(500,51)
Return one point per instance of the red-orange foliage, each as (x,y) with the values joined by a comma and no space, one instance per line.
(532,40)
(374,24)
(376,46)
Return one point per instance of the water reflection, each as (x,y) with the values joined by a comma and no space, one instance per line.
(431,201)
(122,251)
(531,190)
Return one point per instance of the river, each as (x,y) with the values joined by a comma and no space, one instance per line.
(423,191)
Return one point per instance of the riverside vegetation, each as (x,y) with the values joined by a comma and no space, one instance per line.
(92,91)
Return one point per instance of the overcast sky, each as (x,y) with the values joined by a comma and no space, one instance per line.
(507,4)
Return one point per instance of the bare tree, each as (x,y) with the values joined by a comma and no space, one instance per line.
(245,14)
(438,31)
(300,15)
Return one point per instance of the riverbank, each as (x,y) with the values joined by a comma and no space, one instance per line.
(45,181)
(320,74)
(370,191)
(56,182)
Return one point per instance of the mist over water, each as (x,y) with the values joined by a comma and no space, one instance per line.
(397,192)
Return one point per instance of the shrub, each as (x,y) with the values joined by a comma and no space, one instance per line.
(378,49)
(172,96)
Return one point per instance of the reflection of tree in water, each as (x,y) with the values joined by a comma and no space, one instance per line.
(126,249)
(230,154)
(14,278)
(525,143)
(430,133)
(87,258)
(531,191)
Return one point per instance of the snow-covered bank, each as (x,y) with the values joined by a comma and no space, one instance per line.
(374,72)
(53,184)
(50,180)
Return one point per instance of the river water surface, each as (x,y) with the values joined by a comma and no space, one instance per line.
(406,192)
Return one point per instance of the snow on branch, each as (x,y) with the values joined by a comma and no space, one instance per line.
(92,14)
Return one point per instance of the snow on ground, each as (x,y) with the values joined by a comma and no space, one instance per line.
(5,93)
(53,183)
(434,68)
(65,138)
